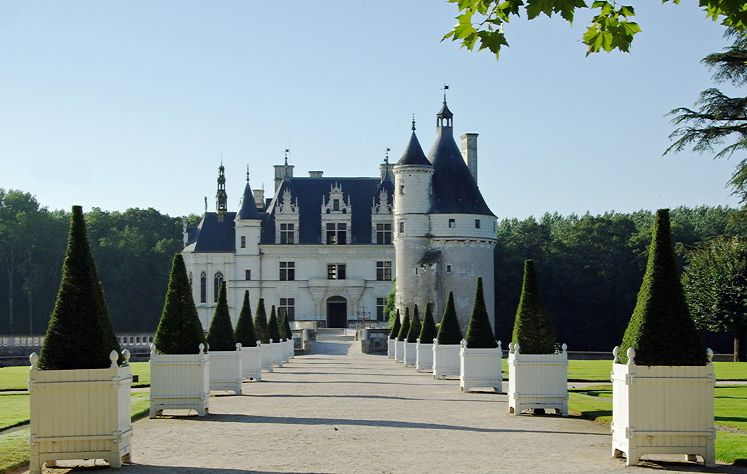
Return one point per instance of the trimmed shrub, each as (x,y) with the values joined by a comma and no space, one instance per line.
(80,333)
(179,330)
(449,331)
(245,333)
(220,336)
(533,330)
(272,326)
(260,323)
(405,328)
(415,327)
(396,327)
(287,327)
(479,331)
(661,330)
(429,331)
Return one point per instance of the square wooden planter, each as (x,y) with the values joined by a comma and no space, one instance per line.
(480,368)
(399,351)
(226,371)
(290,349)
(251,363)
(423,357)
(266,353)
(410,357)
(446,360)
(663,410)
(537,381)
(179,381)
(390,343)
(80,414)
(278,350)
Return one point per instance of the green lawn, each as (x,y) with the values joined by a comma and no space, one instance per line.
(14,410)
(16,378)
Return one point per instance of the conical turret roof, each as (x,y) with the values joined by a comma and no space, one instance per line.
(413,154)
(247,206)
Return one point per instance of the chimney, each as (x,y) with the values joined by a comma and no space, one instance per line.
(316,174)
(259,198)
(281,171)
(386,169)
(469,152)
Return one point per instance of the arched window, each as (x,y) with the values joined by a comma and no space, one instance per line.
(217,280)
(203,288)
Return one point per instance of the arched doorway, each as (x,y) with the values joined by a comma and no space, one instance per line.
(337,312)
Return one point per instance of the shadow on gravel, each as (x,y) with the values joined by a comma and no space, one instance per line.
(148,469)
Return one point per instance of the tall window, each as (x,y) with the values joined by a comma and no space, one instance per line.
(217,280)
(243,241)
(336,271)
(335,204)
(247,274)
(287,271)
(203,288)
(384,271)
(401,227)
(477,223)
(337,233)
(286,233)
(380,304)
(287,306)
(383,233)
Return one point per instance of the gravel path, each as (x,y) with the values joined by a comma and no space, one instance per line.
(340,411)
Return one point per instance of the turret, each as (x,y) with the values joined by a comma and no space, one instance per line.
(221,198)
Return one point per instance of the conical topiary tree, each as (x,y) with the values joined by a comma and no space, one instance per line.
(179,330)
(260,323)
(220,336)
(428,332)
(287,326)
(415,327)
(245,333)
(449,332)
(272,326)
(405,328)
(479,331)
(661,330)
(394,333)
(80,333)
(533,330)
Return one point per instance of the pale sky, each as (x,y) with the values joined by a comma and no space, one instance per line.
(132,104)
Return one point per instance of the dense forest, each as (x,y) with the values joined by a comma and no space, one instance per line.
(589,267)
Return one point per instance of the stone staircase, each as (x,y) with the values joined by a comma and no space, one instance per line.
(335,334)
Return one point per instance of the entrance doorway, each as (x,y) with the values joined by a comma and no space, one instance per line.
(337,312)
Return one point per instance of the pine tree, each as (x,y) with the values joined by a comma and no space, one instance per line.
(287,326)
(80,334)
(429,331)
(661,330)
(220,335)
(479,332)
(272,326)
(533,330)
(260,323)
(245,333)
(449,332)
(395,327)
(405,328)
(415,327)
(179,330)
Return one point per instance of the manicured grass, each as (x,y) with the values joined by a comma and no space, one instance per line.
(731,447)
(15,410)
(16,378)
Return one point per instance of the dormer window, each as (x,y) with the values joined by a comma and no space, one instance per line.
(337,233)
(335,204)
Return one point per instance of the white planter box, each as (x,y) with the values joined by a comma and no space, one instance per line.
(423,357)
(399,351)
(290,347)
(278,349)
(266,353)
(225,370)
(445,360)
(80,414)
(251,363)
(179,381)
(410,357)
(663,410)
(390,344)
(537,381)
(480,368)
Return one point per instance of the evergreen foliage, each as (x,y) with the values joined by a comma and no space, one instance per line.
(272,326)
(287,327)
(405,328)
(220,336)
(260,323)
(179,330)
(390,308)
(395,327)
(429,331)
(80,334)
(449,331)
(415,326)
(661,330)
(245,333)
(533,330)
(479,331)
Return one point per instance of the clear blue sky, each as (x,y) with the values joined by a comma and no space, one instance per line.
(132,104)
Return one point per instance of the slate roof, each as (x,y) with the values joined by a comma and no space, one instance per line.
(413,154)
(213,235)
(247,206)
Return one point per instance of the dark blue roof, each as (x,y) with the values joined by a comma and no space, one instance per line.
(214,235)
(387,185)
(413,154)
(308,193)
(248,208)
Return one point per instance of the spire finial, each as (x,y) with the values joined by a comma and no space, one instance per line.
(287,150)
(247,173)
(205,203)
(386,157)
(446,87)
(413,122)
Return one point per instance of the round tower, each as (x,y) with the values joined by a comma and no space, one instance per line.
(248,227)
